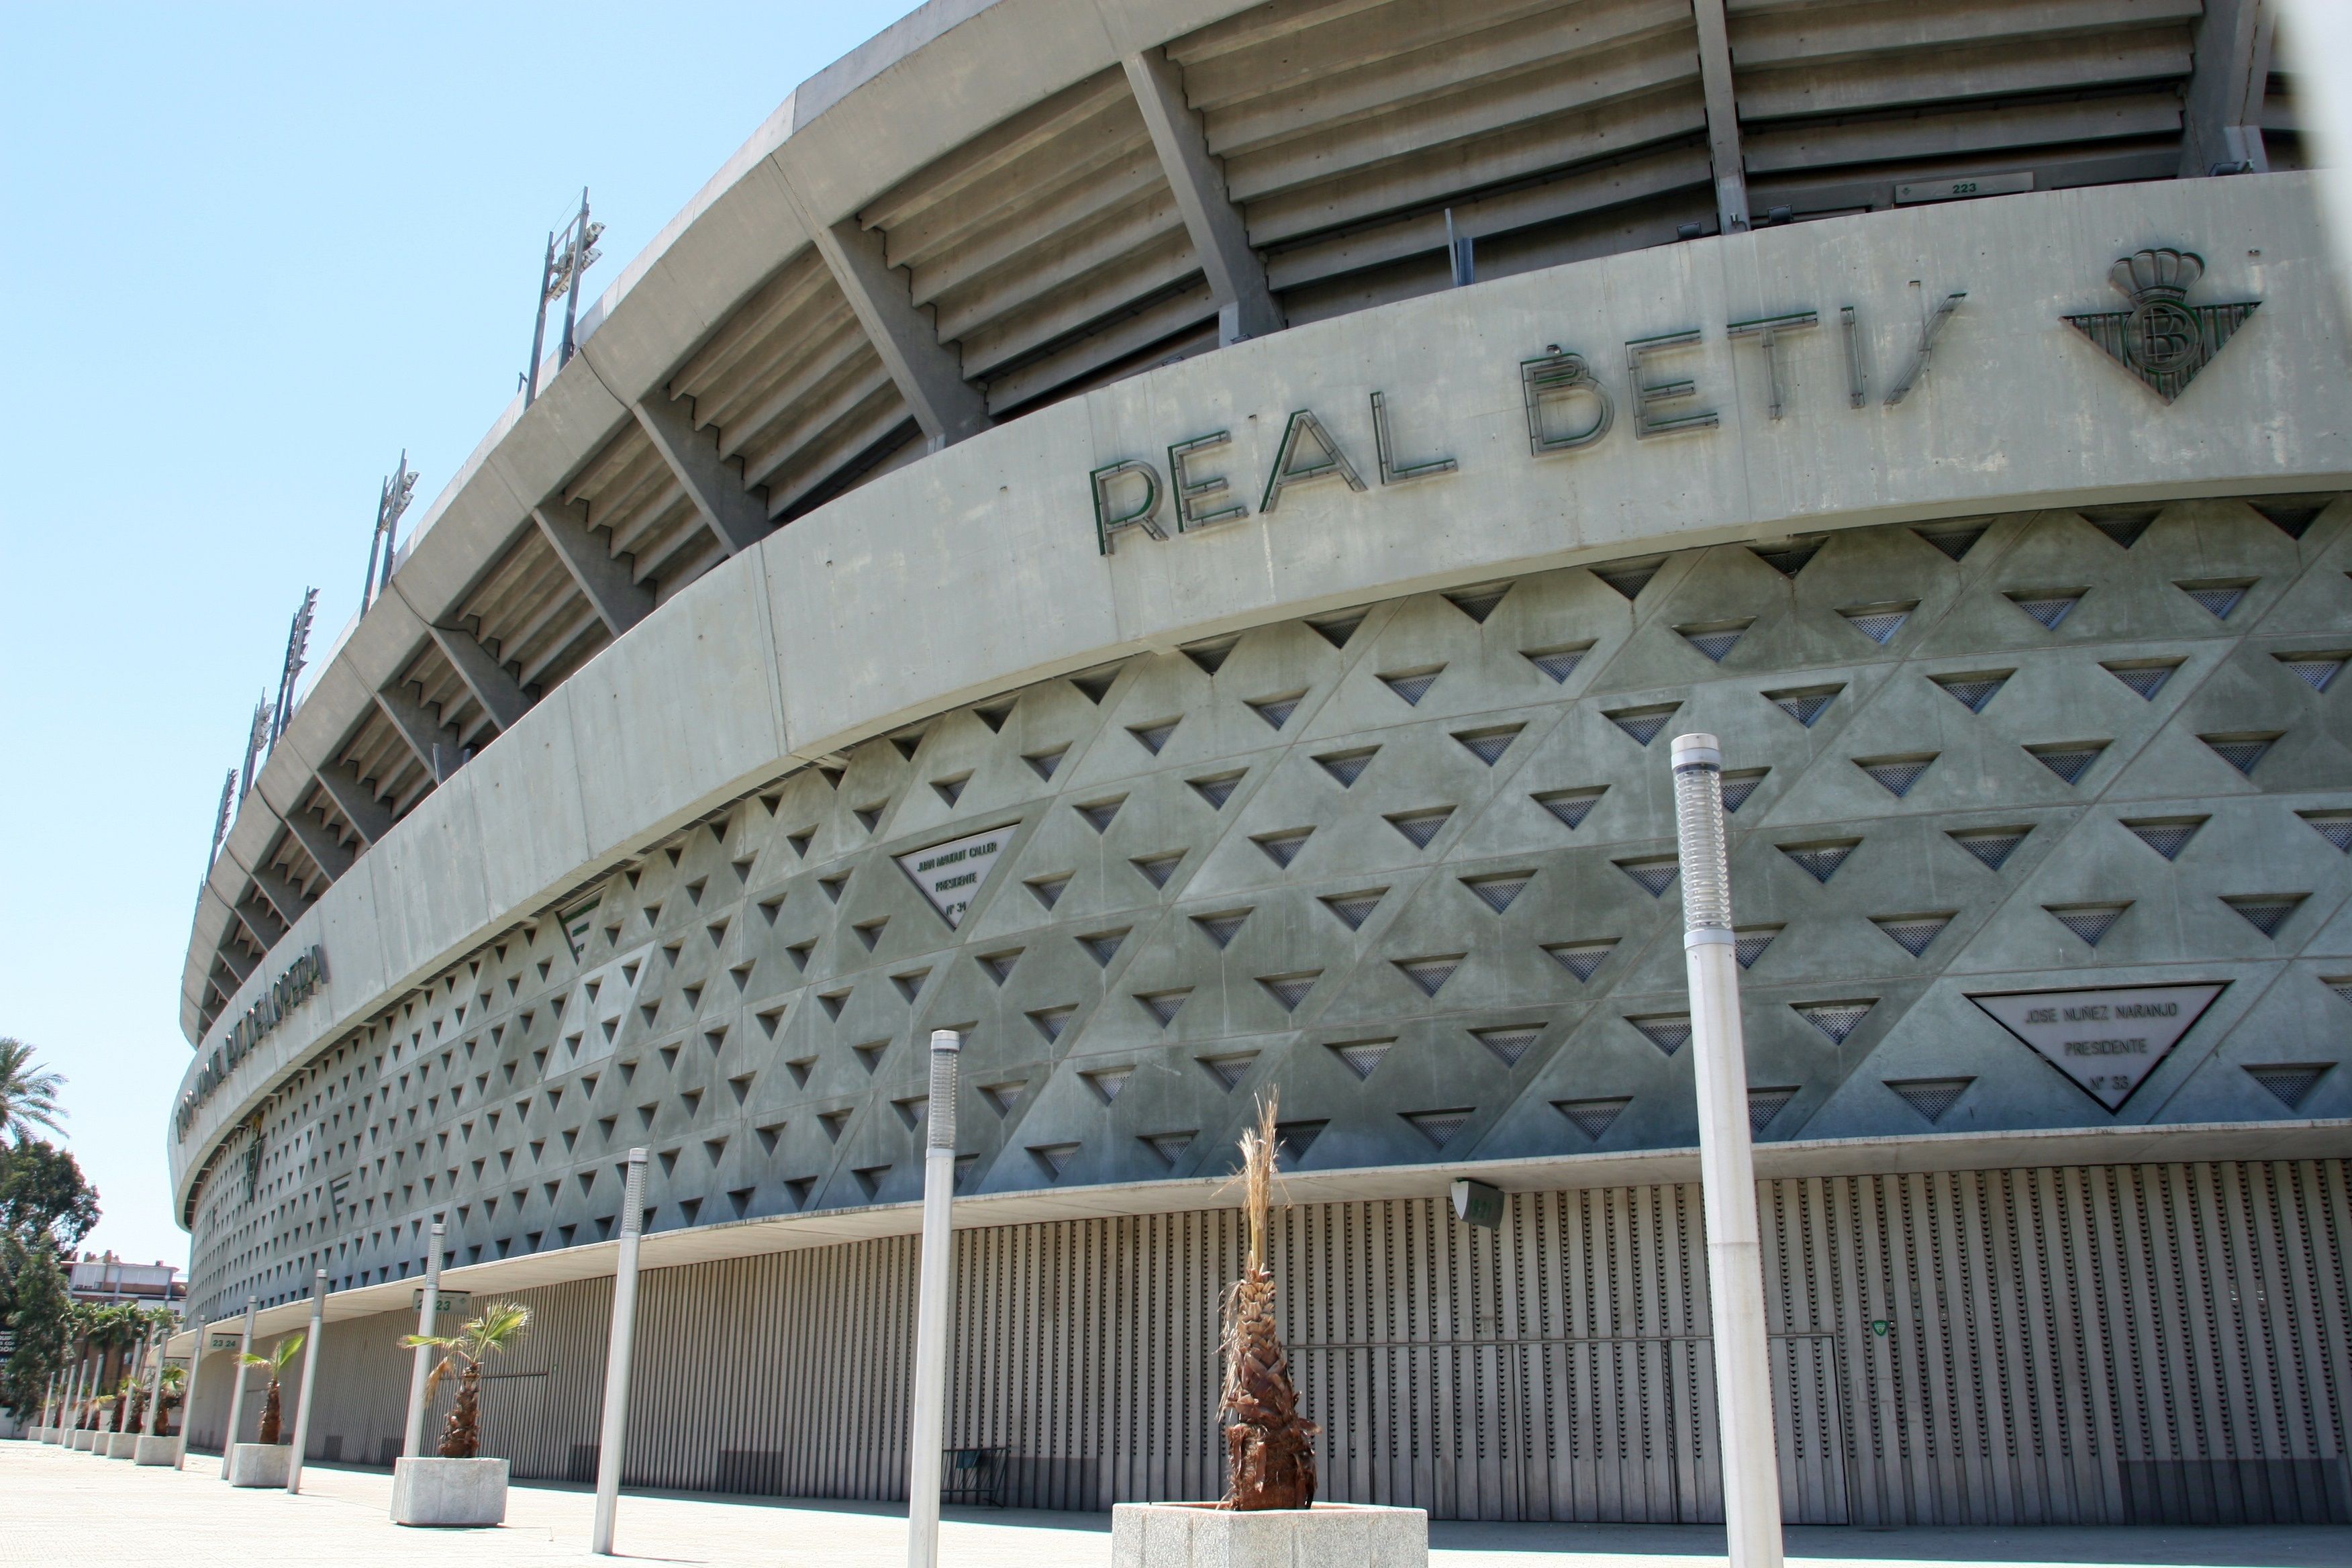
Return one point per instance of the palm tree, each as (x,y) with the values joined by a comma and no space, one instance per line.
(28,1097)
(175,1379)
(1269,1446)
(499,1325)
(280,1357)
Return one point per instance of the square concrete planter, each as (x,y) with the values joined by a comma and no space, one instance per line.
(449,1492)
(155,1450)
(1329,1535)
(41,1433)
(82,1437)
(260,1464)
(120,1444)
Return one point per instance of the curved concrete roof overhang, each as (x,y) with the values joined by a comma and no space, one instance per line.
(976,569)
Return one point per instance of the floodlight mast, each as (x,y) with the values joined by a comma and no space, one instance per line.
(398,488)
(571,251)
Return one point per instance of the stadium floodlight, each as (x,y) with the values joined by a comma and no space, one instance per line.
(398,491)
(298,647)
(571,251)
(220,819)
(257,741)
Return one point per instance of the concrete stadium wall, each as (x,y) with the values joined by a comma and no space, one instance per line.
(976,572)
(2060,1345)
(749,1001)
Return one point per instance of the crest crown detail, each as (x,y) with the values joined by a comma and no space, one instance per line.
(2156,274)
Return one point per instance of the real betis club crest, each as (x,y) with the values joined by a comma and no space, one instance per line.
(2163,339)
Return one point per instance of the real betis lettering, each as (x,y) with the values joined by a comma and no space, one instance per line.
(951,874)
(288,992)
(1570,408)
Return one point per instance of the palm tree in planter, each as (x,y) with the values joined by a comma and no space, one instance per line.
(176,1381)
(498,1326)
(280,1356)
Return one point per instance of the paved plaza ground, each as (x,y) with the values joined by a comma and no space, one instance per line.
(64,1509)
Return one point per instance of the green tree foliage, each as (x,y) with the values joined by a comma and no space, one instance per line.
(46,1207)
(42,1193)
(28,1096)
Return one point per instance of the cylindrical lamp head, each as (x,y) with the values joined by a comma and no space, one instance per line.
(1698,824)
(633,1195)
(940,1115)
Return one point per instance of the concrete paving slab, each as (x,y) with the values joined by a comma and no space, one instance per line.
(62,1514)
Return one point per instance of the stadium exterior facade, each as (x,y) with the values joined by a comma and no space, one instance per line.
(1042,547)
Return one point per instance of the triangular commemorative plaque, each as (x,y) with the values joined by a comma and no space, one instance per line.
(2105,1040)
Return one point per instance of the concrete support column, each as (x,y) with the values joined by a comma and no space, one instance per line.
(237,1388)
(1722,116)
(369,816)
(927,1428)
(435,744)
(1735,1268)
(617,1351)
(309,1382)
(1245,305)
(2229,68)
(501,698)
(413,1446)
(322,846)
(736,517)
(928,374)
(618,599)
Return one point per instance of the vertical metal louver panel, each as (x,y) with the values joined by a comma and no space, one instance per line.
(2134,1344)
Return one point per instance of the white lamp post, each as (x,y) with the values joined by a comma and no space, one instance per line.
(163,1342)
(237,1388)
(929,1422)
(1734,1273)
(188,1394)
(414,1444)
(617,1357)
(309,1381)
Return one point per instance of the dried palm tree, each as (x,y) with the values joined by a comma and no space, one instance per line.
(499,1325)
(280,1356)
(1269,1446)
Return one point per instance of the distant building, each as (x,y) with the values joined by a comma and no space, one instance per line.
(100,1277)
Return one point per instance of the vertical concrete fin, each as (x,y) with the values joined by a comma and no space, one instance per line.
(1245,305)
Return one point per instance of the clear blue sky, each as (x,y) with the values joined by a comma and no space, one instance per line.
(251,252)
